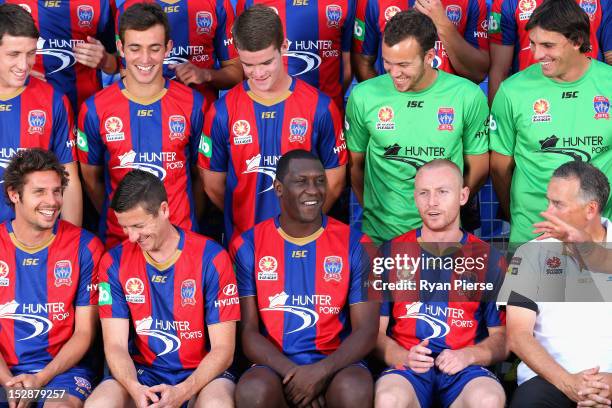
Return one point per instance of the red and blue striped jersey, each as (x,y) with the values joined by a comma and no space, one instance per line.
(36,116)
(469,16)
(304,286)
(160,136)
(169,304)
(509,18)
(201,34)
(63,24)
(450,319)
(318,31)
(40,287)
(244,136)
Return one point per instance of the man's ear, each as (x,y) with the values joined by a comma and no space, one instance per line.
(278,188)
(465,194)
(13,196)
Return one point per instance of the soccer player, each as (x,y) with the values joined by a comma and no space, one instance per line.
(76,42)
(397,122)
(552,112)
(201,37)
(48,285)
(555,371)
(461,45)
(260,119)
(434,343)
(306,319)
(141,122)
(319,36)
(509,40)
(172,294)
(32,113)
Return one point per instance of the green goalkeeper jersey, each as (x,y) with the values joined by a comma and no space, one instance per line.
(400,131)
(543,124)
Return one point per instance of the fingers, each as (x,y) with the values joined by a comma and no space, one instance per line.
(38,75)
(13,381)
(289,376)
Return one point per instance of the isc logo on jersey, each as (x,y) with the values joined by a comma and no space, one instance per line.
(267,269)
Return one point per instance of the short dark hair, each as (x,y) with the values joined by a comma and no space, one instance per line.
(282,167)
(257,28)
(411,23)
(594,185)
(28,161)
(565,17)
(139,187)
(141,17)
(16,22)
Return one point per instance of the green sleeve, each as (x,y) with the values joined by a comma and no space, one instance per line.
(356,133)
(475,134)
(502,132)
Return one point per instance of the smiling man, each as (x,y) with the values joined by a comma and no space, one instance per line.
(172,295)
(307,322)
(260,119)
(552,112)
(141,122)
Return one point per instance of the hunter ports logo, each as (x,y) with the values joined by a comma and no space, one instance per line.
(549,146)
(385,119)
(408,155)
(540,111)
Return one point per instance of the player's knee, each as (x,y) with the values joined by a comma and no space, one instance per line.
(394,397)
(257,391)
(355,389)
(489,398)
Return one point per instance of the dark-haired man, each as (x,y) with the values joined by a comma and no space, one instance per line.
(142,122)
(33,113)
(397,122)
(172,294)
(260,119)
(48,286)
(552,112)
(306,323)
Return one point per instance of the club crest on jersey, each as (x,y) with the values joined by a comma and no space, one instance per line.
(37,119)
(391,11)
(204,22)
(133,291)
(332,266)
(63,273)
(540,111)
(297,130)
(242,132)
(83,383)
(85,14)
(4,271)
(601,104)
(589,7)
(453,12)
(177,125)
(446,117)
(188,291)
(114,127)
(385,119)
(267,268)
(333,12)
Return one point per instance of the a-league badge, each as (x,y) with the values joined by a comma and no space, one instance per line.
(62,272)
(188,290)
(4,271)
(332,266)
(177,125)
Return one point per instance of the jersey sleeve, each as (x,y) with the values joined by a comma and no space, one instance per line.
(502,131)
(355,131)
(367,34)
(62,139)
(111,298)
(502,23)
(197,125)
(243,257)
(223,41)
(242,5)
(493,317)
(604,32)
(106,27)
(90,252)
(330,147)
(348,27)
(475,131)
(90,148)
(213,153)
(360,263)
(476,25)
(220,290)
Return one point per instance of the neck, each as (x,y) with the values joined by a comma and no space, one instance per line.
(429,77)
(576,70)
(144,91)
(298,229)
(170,241)
(9,91)
(279,89)
(452,234)
(27,235)
(597,231)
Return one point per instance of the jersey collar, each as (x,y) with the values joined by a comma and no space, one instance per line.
(162,266)
(434,251)
(31,249)
(269,101)
(300,241)
(143,101)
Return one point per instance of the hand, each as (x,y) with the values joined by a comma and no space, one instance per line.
(419,360)
(596,391)
(12,403)
(572,384)
(452,361)
(38,75)
(434,10)
(142,395)
(189,74)
(171,396)
(556,228)
(24,381)
(91,53)
(318,402)
(303,384)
